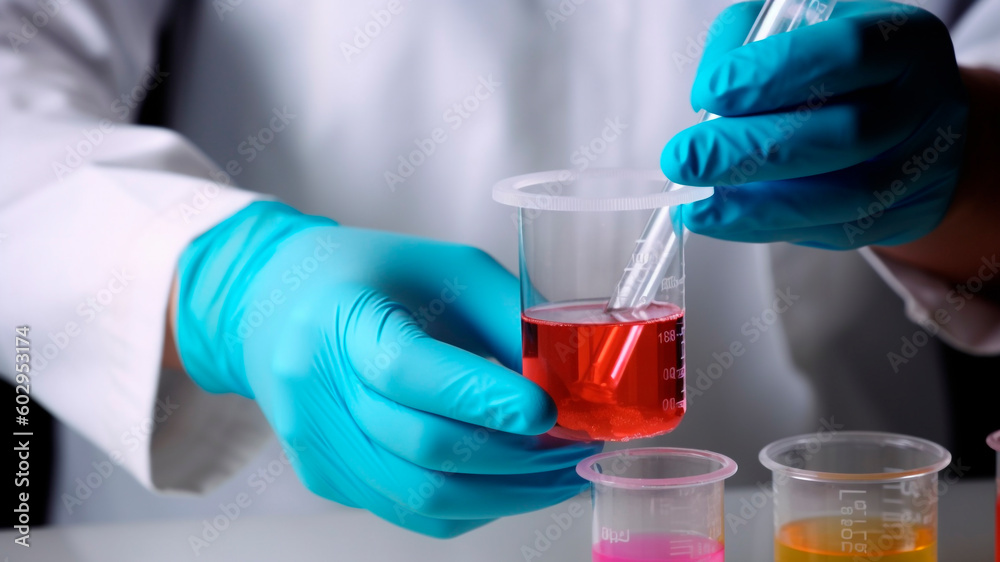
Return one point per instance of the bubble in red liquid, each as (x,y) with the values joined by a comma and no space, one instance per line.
(612,377)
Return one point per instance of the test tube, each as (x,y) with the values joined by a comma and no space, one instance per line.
(657,504)
(994,442)
(855,495)
(637,286)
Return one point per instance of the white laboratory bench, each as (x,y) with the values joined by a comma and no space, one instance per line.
(966,535)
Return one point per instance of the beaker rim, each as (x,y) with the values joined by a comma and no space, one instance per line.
(727,468)
(994,441)
(511,192)
(942,456)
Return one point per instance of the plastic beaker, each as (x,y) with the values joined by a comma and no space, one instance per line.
(994,443)
(855,495)
(657,504)
(613,375)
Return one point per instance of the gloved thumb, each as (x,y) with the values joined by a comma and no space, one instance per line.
(393,356)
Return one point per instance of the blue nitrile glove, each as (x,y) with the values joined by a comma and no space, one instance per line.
(839,135)
(325,326)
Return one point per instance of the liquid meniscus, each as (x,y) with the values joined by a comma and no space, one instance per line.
(612,377)
(661,548)
(829,539)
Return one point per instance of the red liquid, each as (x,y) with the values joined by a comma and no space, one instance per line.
(667,548)
(611,379)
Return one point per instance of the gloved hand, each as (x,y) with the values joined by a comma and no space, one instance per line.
(839,135)
(326,327)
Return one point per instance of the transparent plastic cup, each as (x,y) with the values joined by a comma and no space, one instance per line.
(855,496)
(614,375)
(994,443)
(658,504)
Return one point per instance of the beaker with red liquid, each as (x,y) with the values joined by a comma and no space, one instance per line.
(994,443)
(614,375)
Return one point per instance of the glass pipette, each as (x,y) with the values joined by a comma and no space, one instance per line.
(658,245)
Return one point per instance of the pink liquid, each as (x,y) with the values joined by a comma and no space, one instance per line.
(661,548)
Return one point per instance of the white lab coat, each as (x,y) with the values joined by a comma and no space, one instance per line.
(94,210)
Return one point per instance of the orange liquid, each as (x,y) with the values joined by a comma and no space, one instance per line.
(822,540)
(611,380)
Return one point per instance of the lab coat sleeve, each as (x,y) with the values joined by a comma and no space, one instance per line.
(94,212)
(961,316)
(977,35)
(964,318)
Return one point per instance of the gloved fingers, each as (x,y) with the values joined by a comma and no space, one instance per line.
(459,287)
(488,305)
(392,356)
(902,224)
(824,212)
(438,443)
(438,503)
(397,513)
(443,495)
(430,526)
(292,451)
(779,146)
(883,231)
(759,207)
(369,470)
(336,458)
(811,65)
(729,31)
